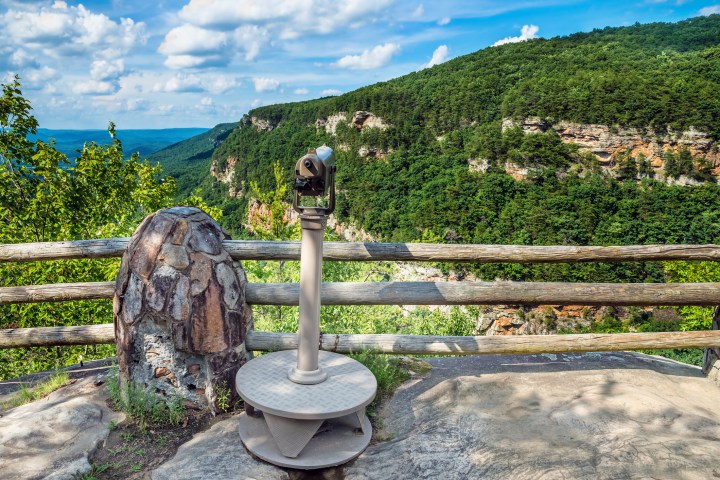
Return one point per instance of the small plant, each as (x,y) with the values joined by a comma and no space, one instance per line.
(223,396)
(91,475)
(136,467)
(144,406)
(27,394)
(127,436)
(112,425)
(116,451)
(162,440)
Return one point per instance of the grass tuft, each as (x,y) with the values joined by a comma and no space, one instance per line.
(28,394)
(144,406)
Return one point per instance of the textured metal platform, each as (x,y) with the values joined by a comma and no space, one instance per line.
(335,443)
(264,384)
(306,426)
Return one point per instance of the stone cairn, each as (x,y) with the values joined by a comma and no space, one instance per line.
(179,308)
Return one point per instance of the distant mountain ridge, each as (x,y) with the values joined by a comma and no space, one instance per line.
(143,141)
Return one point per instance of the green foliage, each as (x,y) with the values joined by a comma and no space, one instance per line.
(44,196)
(144,406)
(28,394)
(694,318)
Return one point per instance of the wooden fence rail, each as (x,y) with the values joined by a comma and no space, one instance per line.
(422,293)
(406,252)
(397,344)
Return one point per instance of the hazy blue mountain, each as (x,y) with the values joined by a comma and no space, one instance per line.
(143,141)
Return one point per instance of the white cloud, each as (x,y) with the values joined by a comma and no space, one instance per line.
(106,70)
(206,101)
(709,10)
(180,84)
(301,91)
(439,56)
(444,21)
(289,17)
(192,40)
(233,28)
(263,84)
(222,83)
(526,33)
(94,87)
(66,31)
(418,12)
(39,78)
(177,62)
(375,58)
(21,58)
(330,92)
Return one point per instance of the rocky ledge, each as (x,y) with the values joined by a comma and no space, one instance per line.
(580,416)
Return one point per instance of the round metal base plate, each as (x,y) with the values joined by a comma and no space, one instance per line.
(330,447)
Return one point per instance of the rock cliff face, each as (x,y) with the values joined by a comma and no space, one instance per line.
(226,175)
(606,143)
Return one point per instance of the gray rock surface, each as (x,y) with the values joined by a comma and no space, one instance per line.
(590,416)
(217,453)
(52,438)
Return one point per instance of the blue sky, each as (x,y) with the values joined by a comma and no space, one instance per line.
(196,63)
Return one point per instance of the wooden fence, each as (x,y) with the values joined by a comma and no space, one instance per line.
(402,293)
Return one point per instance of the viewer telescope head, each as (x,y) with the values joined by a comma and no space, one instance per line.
(315,177)
(314,172)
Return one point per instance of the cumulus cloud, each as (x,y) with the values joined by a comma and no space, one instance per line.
(106,70)
(709,10)
(526,33)
(180,84)
(289,17)
(231,28)
(330,92)
(192,40)
(206,101)
(94,87)
(439,56)
(38,78)
(301,91)
(263,84)
(189,46)
(368,59)
(62,30)
(222,83)
(444,21)
(21,58)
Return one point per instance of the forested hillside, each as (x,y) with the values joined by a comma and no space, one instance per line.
(189,159)
(428,156)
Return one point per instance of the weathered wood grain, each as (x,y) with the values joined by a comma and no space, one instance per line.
(59,292)
(492,293)
(417,252)
(512,344)
(422,293)
(426,252)
(30,252)
(52,336)
(397,344)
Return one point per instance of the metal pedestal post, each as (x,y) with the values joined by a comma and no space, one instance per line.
(311,403)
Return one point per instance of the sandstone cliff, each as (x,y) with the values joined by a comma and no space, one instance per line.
(607,143)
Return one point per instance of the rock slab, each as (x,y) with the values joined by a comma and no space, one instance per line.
(217,453)
(53,438)
(589,416)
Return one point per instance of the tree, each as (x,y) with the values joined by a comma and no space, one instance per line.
(44,196)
